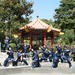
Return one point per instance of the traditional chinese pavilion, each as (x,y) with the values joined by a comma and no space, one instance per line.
(40,30)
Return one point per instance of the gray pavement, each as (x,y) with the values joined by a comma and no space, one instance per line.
(45,69)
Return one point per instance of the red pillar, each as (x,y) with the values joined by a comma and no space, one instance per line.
(30,38)
(44,41)
(52,41)
(21,38)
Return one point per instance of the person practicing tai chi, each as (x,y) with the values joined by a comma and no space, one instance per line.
(35,60)
(20,57)
(10,57)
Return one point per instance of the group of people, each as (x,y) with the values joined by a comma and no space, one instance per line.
(21,49)
(54,55)
(10,58)
(18,43)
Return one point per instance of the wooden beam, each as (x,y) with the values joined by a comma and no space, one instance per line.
(21,37)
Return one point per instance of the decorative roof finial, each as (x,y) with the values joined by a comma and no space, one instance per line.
(37,16)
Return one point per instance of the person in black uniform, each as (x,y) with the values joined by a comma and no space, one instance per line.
(35,60)
(59,51)
(45,54)
(10,57)
(55,60)
(73,53)
(6,43)
(51,55)
(66,57)
(56,55)
(17,42)
(25,49)
(20,57)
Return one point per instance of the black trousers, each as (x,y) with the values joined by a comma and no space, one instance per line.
(23,60)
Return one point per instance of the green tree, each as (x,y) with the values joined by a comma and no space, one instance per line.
(14,14)
(65,15)
(65,20)
(68,37)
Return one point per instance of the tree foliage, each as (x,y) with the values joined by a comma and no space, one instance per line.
(65,20)
(65,14)
(68,37)
(14,14)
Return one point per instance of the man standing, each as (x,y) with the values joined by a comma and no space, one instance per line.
(6,43)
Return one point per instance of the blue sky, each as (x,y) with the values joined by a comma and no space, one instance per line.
(44,8)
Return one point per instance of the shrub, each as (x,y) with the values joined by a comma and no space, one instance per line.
(13,46)
(73,43)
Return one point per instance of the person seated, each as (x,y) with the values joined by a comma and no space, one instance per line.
(35,60)
(10,57)
(20,57)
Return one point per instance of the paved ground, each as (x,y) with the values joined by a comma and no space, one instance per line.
(45,69)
